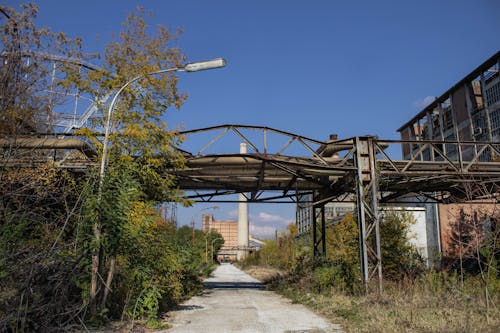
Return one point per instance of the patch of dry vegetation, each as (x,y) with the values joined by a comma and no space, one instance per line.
(264,274)
(436,302)
(415,298)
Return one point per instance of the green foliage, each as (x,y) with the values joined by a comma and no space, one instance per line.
(142,136)
(56,228)
(37,228)
(351,313)
(399,257)
(432,302)
(339,270)
(343,254)
(280,253)
(141,151)
(157,265)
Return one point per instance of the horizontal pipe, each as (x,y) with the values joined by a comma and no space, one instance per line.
(48,143)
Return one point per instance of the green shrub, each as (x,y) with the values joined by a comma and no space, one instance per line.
(399,257)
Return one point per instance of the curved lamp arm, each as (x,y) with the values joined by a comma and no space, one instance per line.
(190,67)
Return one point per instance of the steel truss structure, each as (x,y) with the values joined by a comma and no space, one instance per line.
(358,168)
(364,170)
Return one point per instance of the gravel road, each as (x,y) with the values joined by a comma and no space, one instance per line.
(233,301)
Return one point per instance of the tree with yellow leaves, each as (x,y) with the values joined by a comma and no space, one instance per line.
(140,144)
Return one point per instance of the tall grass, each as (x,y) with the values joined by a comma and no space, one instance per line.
(433,302)
(415,299)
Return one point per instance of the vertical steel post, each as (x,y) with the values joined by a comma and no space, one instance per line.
(374,207)
(319,231)
(314,228)
(323,230)
(367,209)
(363,255)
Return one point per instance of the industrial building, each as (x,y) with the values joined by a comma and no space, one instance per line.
(468,111)
(424,232)
(228,231)
(333,212)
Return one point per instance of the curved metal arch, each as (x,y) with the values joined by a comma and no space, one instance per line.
(253,127)
(92,108)
(59,58)
(320,150)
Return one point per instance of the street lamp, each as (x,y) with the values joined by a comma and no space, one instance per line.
(193,223)
(205,231)
(190,67)
(212,245)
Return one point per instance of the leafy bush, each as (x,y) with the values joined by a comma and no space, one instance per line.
(399,257)
(340,268)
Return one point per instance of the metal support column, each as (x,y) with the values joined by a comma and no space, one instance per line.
(367,208)
(319,230)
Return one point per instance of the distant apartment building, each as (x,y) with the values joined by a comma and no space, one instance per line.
(228,231)
(468,111)
(333,212)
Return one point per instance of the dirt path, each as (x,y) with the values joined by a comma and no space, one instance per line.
(233,301)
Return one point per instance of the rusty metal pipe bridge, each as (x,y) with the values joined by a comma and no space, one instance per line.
(282,166)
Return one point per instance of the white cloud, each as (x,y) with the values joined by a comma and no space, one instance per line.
(232,214)
(422,103)
(264,225)
(262,231)
(276,221)
(261,217)
(265,217)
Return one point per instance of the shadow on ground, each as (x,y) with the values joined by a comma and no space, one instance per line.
(234,285)
(187,307)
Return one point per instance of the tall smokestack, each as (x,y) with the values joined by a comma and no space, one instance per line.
(242,217)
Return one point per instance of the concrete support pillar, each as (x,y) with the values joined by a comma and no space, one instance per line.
(242,218)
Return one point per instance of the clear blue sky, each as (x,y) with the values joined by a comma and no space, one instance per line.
(310,67)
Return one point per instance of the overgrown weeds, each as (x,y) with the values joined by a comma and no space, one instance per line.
(434,302)
(78,249)
(415,299)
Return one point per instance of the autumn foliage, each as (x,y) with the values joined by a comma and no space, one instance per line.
(74,253)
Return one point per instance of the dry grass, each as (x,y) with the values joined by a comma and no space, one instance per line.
(264,274)
(399,312)
(435,302)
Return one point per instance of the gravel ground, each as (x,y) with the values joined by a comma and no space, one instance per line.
(233,301)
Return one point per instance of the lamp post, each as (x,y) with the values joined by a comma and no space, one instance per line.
(206,233)
(212,245)
(193,222)
(190,67)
